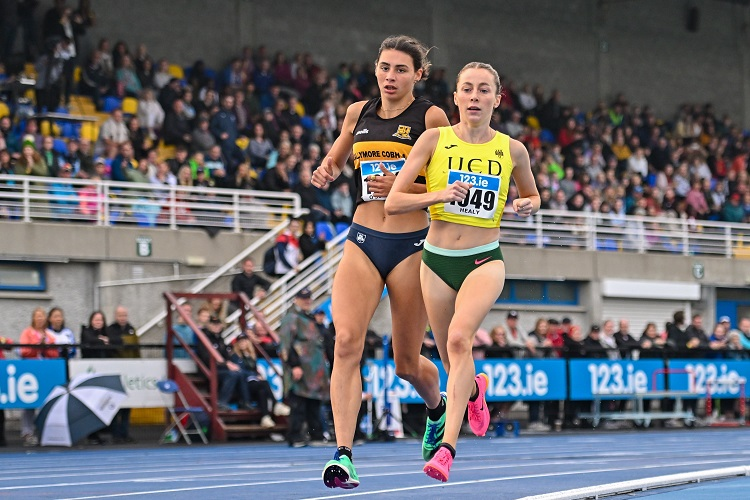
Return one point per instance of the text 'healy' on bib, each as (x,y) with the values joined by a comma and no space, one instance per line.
(371,168)
(482,199)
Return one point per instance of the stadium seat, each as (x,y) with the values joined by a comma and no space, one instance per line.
(307,122)
(341,227)
(130,106)
(112,103)
(606,245)
(325,228)
(4,109)
(77,74)
(242,142)
(89,131)
(176,71)
(60,146)
(533,122)
(547,136)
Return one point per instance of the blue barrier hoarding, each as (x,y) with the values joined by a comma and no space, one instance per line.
(723,376)
(510,379)
(26,383)
(276,382)
(613,379)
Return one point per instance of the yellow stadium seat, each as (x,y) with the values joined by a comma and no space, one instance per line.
(242,142)
(77,74)
(165,152)
(130,106)
(89,131)
(176,71)
(533,122)
(4,110)
(30,70)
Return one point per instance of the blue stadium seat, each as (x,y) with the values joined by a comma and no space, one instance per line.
(307,122)
(546,136)
(326,228)
(606,245)
(112,103)
(60,146)
(341,227)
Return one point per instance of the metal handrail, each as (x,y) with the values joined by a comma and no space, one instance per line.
(107,203)
(316,272)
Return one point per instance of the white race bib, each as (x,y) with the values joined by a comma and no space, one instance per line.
(482,200)
(370,168)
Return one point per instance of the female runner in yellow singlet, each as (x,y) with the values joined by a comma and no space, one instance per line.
(468,171)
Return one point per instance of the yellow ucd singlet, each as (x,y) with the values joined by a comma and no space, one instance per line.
(486,166)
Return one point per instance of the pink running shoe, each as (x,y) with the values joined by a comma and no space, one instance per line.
(479,414)
(440,466)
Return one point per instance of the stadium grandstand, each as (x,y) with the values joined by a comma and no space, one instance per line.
(149,153)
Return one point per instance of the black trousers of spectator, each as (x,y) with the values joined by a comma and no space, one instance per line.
(260,392)
(229,382)
(303,410)
(2,428)
(120,426)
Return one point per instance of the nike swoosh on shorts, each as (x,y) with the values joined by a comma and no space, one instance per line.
(478,262)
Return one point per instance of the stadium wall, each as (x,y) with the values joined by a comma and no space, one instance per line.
(588,49)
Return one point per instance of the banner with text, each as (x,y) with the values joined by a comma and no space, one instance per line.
(25,383)
(590,378)
(510,379)
(724,377)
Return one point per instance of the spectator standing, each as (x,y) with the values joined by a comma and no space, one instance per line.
(224,126)
(121,333)
(63,335)
(35,334)
(306,372)
(288,254)
(250,283)
(518,338)
(150,113)
(186,333)
(4,344)
(607,340)
(625,341)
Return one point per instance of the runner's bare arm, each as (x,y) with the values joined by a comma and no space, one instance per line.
(528,200)
(331,166)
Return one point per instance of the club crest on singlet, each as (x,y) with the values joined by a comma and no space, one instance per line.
(403,132)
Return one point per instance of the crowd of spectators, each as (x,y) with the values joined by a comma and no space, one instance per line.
(265,120)
(48,337)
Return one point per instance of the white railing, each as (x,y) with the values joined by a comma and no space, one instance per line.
(109,203)
(600,232)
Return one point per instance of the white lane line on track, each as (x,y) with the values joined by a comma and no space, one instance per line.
(317,478)
(644,484)
(532,462)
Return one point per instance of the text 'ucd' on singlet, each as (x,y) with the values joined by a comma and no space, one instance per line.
(486,166)
(385,140)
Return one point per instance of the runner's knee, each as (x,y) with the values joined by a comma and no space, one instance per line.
(458,345)
(349,346)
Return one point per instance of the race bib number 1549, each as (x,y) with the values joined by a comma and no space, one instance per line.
(482,199)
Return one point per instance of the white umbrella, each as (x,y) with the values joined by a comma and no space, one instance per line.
(88,403)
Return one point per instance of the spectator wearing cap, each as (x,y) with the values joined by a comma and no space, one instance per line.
(64,196)
(30,162)
(231,378)
(518,338)
(625,341)
(306,371)
(593,343)
(733,210)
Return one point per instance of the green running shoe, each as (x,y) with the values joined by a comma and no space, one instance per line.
(433,435)
(340,473)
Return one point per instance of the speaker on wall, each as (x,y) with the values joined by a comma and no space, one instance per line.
(693,19)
